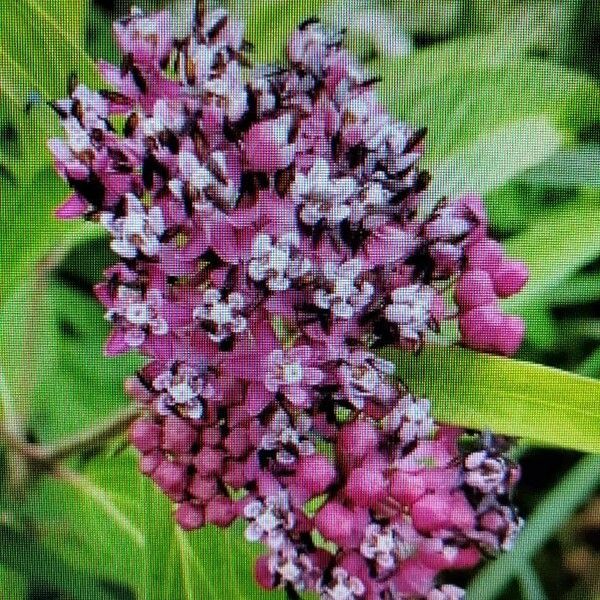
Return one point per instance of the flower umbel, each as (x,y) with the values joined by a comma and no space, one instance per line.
(272,234)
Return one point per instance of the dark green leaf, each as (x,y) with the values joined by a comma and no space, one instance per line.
(21,552)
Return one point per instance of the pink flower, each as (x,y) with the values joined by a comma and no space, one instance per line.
(272,233)
(291,373)
(147,38)
(267,146)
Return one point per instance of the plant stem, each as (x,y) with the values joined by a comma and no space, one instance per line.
(45,458)
(98,434)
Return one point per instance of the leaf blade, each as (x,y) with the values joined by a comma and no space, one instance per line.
(505,395)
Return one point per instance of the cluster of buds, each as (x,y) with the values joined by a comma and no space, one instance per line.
(271,238)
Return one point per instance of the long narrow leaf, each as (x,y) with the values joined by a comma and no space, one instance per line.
(507,396)
(41,45)
(556,247)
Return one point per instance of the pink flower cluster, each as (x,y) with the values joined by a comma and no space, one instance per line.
(271,236)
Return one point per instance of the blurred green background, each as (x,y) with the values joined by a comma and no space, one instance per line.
(510,93)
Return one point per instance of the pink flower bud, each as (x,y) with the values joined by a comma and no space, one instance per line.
(178,435)
(236,443)
(262,573)
(202,489)
(431,512)
(510,277)
(220,512)
(208,462)
(149,462)
(485,255)
(170,477)
(357,440)
(145,435)
(211,436)
(336,523)
(237,475)
(316,474)
(189,516)
(487,328)
(475,288)
(366,486)
(406,488)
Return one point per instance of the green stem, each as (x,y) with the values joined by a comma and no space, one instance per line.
(102,432)
(45,458)
(530,584)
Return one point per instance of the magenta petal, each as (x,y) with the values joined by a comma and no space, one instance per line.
(257,398)
(247,366)
(312,376)
(116,344)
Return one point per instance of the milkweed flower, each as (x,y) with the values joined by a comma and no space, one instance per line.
(271,235)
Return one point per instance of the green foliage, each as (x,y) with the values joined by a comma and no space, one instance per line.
(51,351)
(202,564)
(505,395)
(500,122)
(28,227)
(555,247)
(41,45)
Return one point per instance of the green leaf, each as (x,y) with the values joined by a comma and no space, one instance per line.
(51,339)
(87,519)
(495,158)
(269,24)
(461,104)
(507,396)
(20,552)
(51,351)
(576,167)
(555,247)
(210,564)
(579,289)
(12,584)
(30,232)
(41,44)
